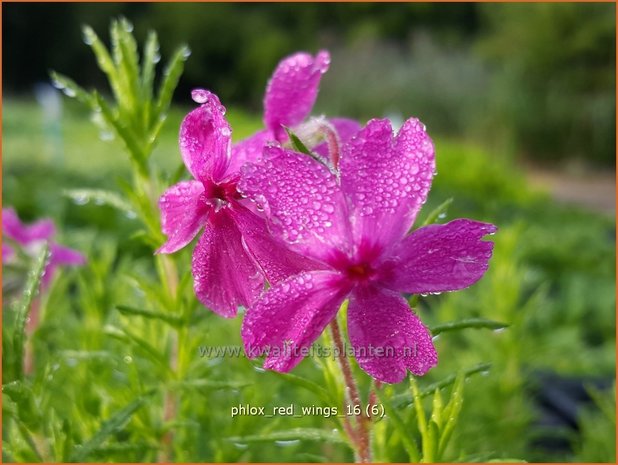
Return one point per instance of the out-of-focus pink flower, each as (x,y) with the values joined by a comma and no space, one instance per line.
(31,238)
(290,95)
(354,225)
(235,252)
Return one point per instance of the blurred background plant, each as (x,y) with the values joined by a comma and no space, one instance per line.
(500,87)
(536,79)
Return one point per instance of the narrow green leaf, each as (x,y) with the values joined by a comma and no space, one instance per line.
(430,446)
(413,300)
(150,58)
(420,413)
(170,81)
(406,399)
(29,440)
(23,309)
(153,354)
(132,311)
(210,384)
(451,412)
(129,54)
(109,427)
(104,60)
(476,323)
(435,213)
(436,410)
(125,55)
(71,88)
(100,197)
(311,386)
(407,440)
(304,434)
(297,144)
(101,53)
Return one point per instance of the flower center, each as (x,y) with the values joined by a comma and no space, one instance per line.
(219,195)
(359,272)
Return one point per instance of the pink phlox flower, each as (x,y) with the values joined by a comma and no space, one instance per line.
(235,253)
(31,238)
(290,95)
(354,223)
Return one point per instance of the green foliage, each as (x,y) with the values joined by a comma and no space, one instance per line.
(598,424)
(138,114)
(557,88)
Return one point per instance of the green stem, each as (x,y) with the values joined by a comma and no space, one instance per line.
(361,437)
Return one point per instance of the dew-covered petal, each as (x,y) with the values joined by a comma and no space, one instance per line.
(205,138)
(224,276)
(290,316)
(22,233)
(183,213)
(440,257)
(249,149)
(345,129)
(388,338)
(301,200)
(386,178)
(271,255)
(292,90)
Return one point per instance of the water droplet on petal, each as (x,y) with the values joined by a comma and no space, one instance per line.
(200,95)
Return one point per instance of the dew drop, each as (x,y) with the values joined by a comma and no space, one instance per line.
(200,95)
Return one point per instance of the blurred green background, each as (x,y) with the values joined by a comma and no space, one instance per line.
(520,100)
(538,79)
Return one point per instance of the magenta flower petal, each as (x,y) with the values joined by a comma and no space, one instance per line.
(292,90)
(272,256)
(224,275)
(24,234)
(205,138)
(387,337)
(183,213)
(60,256)
(290,317)
(441,257)
(302,200)
(346,128)
(248,150)
(386,178)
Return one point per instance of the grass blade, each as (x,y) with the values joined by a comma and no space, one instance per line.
(23,309)
(150,58)
(72,89)
(437,212)
(451,413)
(408,442)
(100,197)
(405,399)
(109,427)
(132,311)
(314,387)
(476,323)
